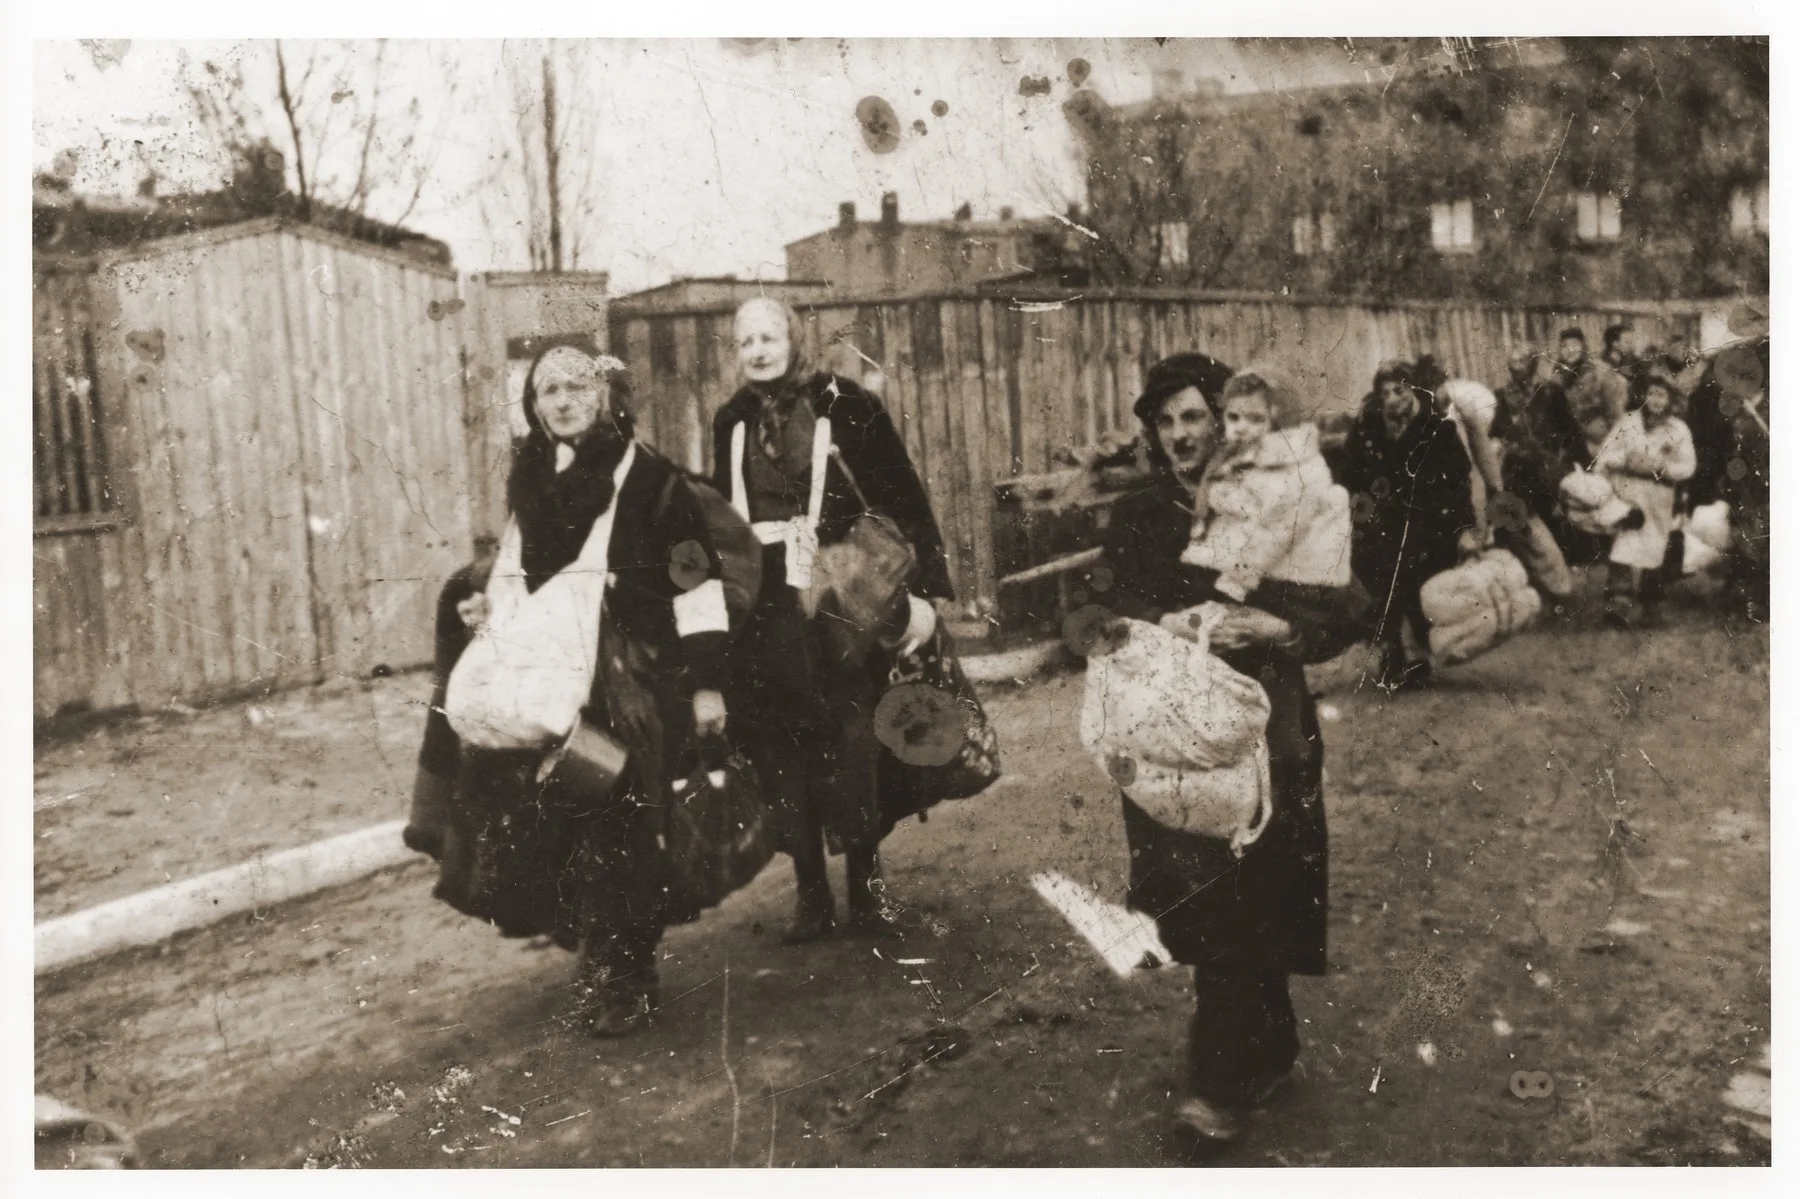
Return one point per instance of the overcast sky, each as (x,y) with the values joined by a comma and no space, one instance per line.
(697,157)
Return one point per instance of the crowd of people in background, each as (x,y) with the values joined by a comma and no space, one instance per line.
(1441,468)
(777,608)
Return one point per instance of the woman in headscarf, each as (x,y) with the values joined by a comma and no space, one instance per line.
(1244,924)
(1645,457)
(562,854)
(807,704)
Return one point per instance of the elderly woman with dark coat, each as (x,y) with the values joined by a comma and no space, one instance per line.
(1244,924)
(557,853)
(805,696)
(1408,478)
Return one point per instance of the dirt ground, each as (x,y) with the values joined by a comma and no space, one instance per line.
(147,800)
(1557,860)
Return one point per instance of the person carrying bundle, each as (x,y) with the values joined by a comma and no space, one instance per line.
(1645,456)
(814,462)
(576,664)
(1245,916)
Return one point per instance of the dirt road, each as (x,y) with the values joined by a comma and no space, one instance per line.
(1557,861)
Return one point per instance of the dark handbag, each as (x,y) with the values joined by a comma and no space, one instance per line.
(937,742)
(718,834)
(859,583)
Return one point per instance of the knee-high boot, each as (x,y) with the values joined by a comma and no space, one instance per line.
(814,910)
(868,914)
(616,979)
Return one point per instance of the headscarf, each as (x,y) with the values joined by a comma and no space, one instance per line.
(1655,376)
(779,395)
(1171,376)
(556,510)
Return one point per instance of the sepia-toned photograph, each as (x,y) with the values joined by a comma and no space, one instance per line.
(863,602)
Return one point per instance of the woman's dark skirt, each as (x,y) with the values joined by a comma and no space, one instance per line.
(554,857)
(806,721)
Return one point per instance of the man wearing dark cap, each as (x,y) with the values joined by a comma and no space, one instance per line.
(1245,923)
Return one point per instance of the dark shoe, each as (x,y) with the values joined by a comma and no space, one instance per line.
(868,915)
(623,1011)
(1271,1089)
(1212,1125)
(813,921)
(428,841)
(615,987)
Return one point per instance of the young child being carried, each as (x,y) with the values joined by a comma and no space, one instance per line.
(1267,506)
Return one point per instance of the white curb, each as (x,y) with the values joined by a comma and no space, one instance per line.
(155,915)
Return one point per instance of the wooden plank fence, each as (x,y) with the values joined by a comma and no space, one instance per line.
(259,451)
(276,424)
(983,388)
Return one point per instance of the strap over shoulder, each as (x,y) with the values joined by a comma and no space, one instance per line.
(822,453)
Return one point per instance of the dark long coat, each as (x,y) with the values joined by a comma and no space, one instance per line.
(1267,910)
(1411,498)
(864,434)
(797,698)
(538,858)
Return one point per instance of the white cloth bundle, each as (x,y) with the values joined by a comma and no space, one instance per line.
(523,679)
(1181,732)
(1707,536)
(1477,605)
(1591,503)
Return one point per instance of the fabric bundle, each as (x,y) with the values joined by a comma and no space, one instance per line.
(524,678)
(1181,733)
(1591,503)
(1475,606)
(1706,537)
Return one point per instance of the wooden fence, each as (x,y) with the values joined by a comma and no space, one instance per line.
(259,451)
(984,388)
(250,465)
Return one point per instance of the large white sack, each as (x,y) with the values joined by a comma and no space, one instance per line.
(1461,593)
(1166,700)
(1590,502)
(1477,605)
(1231,802)
(522,680)
(1181,732)
(1706,535)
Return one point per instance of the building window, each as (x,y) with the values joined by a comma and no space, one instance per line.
(1314,233)
(1597,216)
(1173,241)
(1750,210)
(1453,226)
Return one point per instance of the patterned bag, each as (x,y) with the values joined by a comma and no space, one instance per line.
(937,743)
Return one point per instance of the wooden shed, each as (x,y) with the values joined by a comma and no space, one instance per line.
(249,465)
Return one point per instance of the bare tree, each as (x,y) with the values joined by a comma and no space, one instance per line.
(552,126)
(347,141)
